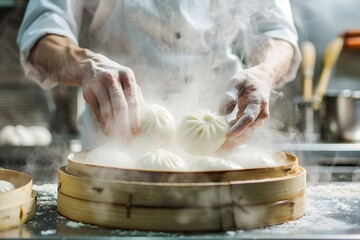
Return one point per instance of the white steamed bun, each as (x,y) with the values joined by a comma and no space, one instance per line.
(157,127)
(9,136)
(25,136)
(109,155)
(202,132)
(251,159)
(6,186)
(213,164)
(160,159)
(42,135)
(27,139)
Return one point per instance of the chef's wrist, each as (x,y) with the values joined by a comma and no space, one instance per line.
(59,58)
(273,57)
(267,73)
(83,63)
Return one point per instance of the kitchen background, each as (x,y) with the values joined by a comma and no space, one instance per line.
(327,156)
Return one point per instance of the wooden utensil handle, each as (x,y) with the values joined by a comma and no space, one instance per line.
(331,54)
(323,83)
(308,64)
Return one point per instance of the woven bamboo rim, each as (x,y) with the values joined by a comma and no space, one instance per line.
(182,206)
(77,166)
(19,205)
(23,188)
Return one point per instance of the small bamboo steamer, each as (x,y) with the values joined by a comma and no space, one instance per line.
(199,206)
(19,205)
(77,166)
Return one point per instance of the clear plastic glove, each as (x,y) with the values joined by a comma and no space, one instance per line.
(112,93)
(249,90)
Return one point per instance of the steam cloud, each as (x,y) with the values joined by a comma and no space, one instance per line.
(184,85)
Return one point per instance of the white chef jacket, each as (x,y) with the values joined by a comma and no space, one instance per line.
(175,48)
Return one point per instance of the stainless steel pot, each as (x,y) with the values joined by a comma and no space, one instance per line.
(340,116)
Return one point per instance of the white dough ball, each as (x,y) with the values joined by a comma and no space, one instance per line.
(161,160)
(202,132)
(157,127)
(41,135)
(213,164)
(26,137)
(109,155)
(9,136)
(251,159)
(6,186)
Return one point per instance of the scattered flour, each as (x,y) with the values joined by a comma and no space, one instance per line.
(332,190)
(49,232)
(76,224)
(329,208)
(47,193)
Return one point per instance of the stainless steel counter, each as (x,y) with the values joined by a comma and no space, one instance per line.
(327,162)
(337,153)
(333,212)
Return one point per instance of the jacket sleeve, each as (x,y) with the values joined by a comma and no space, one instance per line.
(43,17)
(274,19)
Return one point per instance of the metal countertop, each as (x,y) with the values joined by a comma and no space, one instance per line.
(327,162)
(333,212)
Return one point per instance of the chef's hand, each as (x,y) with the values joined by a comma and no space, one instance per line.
(249,90)
(109,88)
(269,62)
(111,91)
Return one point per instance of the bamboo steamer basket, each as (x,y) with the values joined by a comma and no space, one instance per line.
(19,205)
(223,202)
(77,166)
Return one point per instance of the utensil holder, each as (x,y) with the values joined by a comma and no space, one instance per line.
(308,117)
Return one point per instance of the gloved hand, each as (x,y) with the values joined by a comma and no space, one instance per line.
(249,90)
(111,91)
